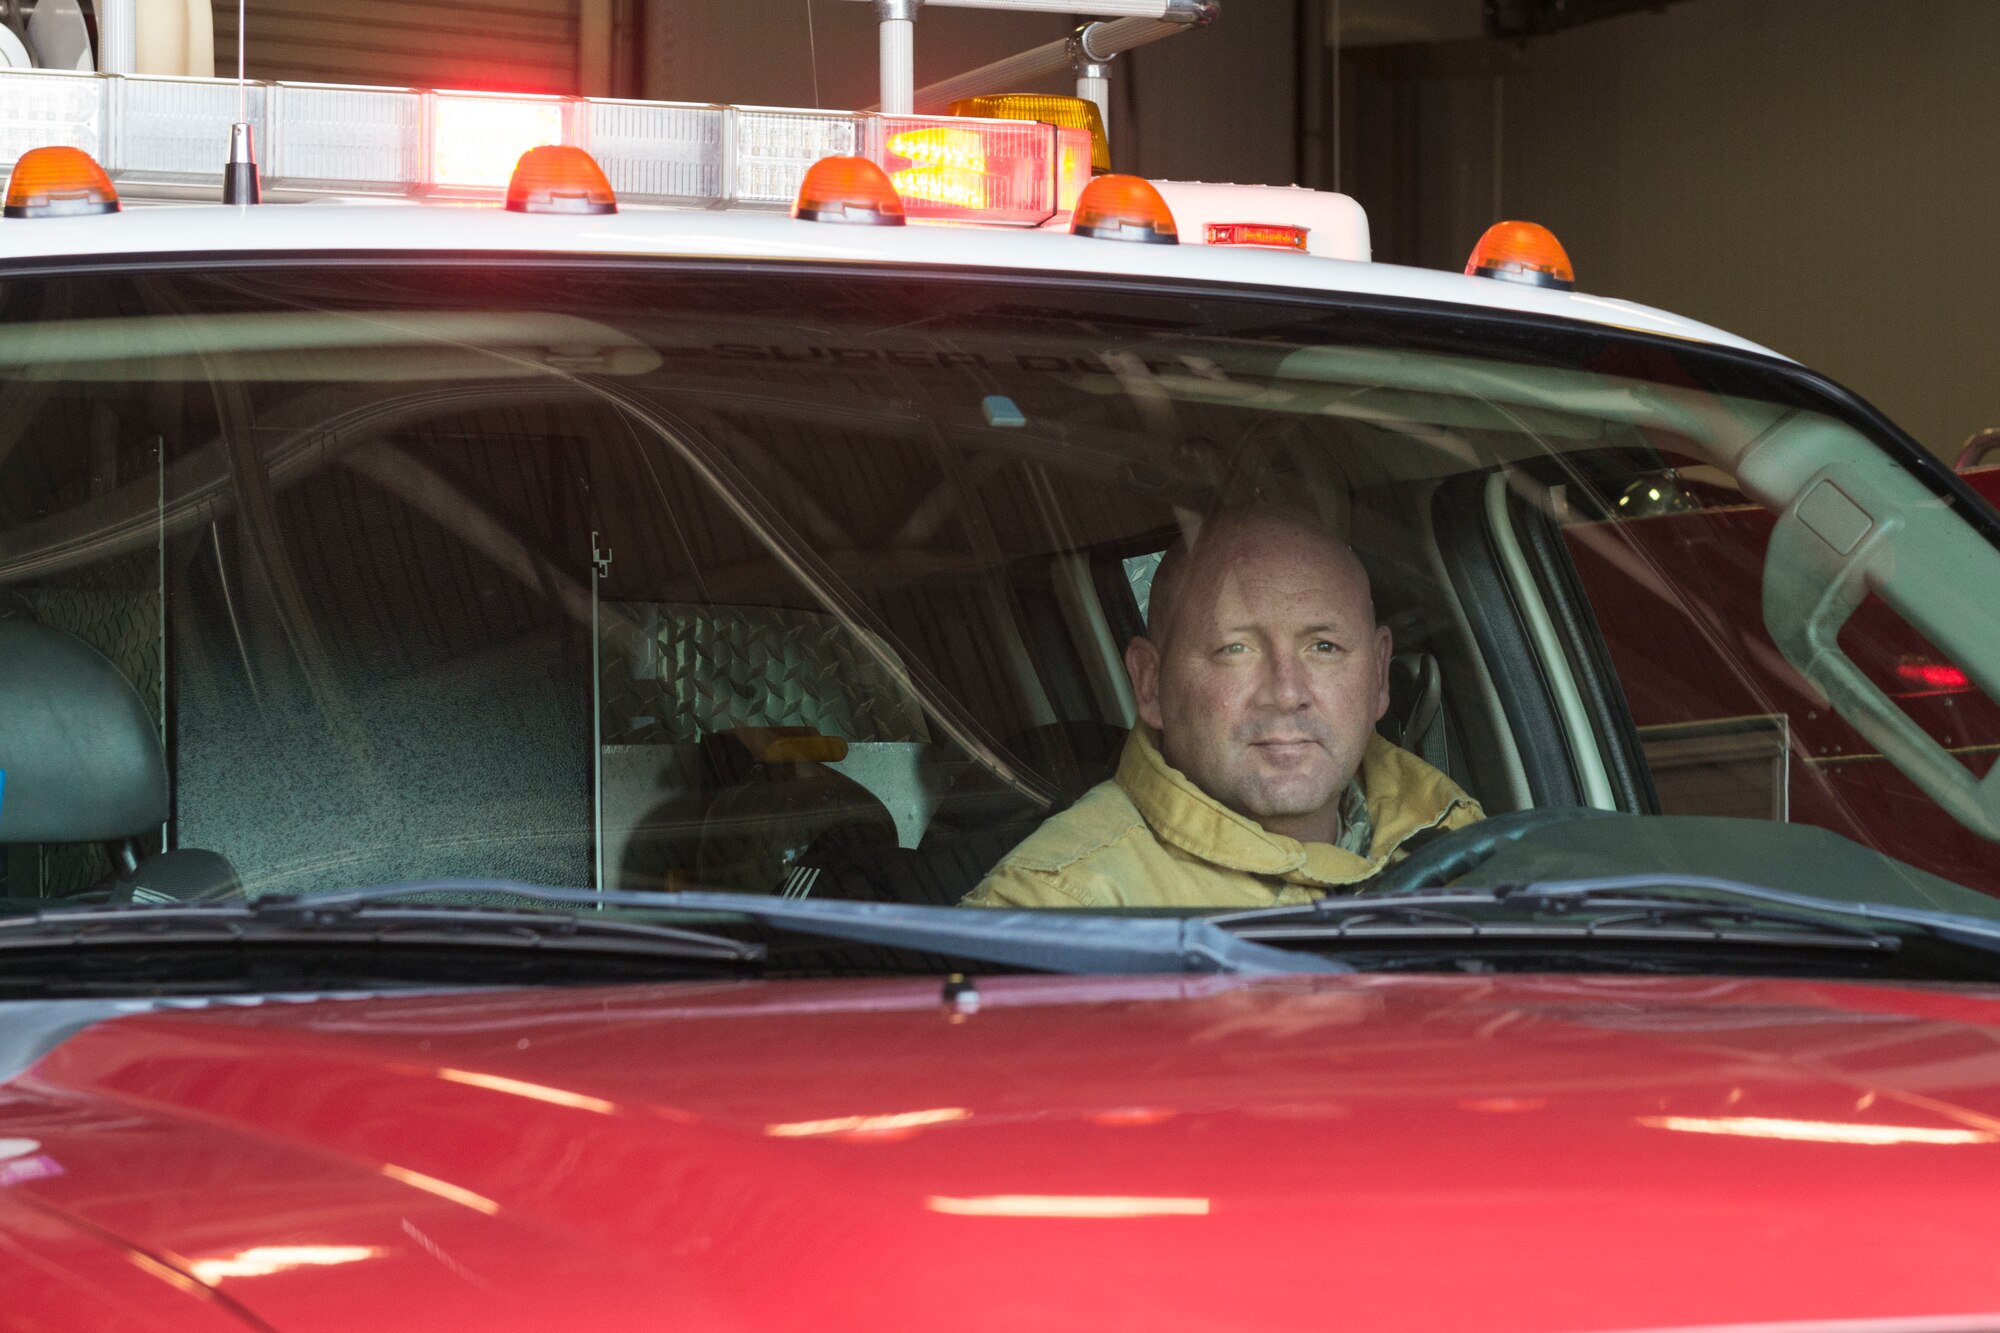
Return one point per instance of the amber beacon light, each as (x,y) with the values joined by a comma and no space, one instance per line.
(1522,252)
(559,179)
(1124,208)
(849,189)
(59,182)
(1066,113)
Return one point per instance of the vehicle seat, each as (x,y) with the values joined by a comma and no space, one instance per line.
(978,823)
(937,874)
(81,762)
(1416,718)
(778,805)
(1072,757)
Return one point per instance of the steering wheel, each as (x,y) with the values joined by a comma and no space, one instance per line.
(1450,855)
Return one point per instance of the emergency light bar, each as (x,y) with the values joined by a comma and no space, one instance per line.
(162,137)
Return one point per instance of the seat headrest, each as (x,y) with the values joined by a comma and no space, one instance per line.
(80,757)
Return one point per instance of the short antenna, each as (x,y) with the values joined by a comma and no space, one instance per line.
(239,177)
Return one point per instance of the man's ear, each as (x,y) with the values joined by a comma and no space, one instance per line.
(1385,648)
(1142,664)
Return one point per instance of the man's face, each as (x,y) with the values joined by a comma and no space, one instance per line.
(1270,676)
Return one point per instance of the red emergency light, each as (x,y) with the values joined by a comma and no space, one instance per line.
(993,171)
(1262,235)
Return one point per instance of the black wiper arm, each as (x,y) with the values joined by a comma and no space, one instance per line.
(1971,931)
(1639,893)
(1046,941)
(286,918)
(1610,907)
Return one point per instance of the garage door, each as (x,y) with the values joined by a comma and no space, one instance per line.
(507,45)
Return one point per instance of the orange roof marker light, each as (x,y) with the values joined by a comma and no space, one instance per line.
(559,179)
(1522,252)
(1124,208)
(849,189)
(59,182)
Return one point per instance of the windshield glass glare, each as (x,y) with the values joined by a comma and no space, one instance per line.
(822,584)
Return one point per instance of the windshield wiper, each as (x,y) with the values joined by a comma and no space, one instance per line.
(1046,941)
(1640,906)
(360,923)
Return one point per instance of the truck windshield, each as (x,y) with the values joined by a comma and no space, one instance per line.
(783,581)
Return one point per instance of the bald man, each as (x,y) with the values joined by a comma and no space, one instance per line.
(1255,776)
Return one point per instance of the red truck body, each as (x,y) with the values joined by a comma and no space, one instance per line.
(1390,1153)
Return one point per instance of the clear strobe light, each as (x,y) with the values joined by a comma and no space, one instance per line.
(661,153)
(774,148)
(177,130)
(44,108)
(329,136)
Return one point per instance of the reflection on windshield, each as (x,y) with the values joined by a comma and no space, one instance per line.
(821,586)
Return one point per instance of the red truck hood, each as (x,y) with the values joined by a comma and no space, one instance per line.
(1382,1153)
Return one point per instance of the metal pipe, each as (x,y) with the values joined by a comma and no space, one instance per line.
(118,37)
(600,565)
(1093,84)
(1178,11)
(898,22)
(1101,41)
(1093,75)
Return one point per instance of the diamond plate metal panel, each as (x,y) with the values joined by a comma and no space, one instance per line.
(676,672)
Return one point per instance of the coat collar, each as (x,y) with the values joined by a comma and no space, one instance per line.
(1405,796)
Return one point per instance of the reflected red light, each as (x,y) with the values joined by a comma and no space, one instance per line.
(1503,1105)
(1131,1117)
(1933,677)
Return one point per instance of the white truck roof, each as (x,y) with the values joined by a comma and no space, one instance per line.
(417,172)
(445,230)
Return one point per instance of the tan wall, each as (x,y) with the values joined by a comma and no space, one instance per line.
(1822,176)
